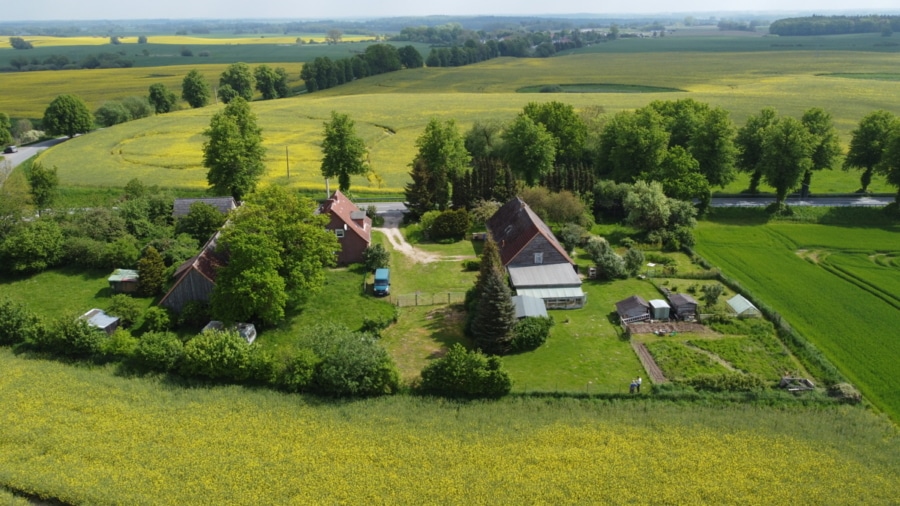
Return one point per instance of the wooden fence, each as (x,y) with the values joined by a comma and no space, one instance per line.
(428,299)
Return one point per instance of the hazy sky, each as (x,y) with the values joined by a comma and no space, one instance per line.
(311,9)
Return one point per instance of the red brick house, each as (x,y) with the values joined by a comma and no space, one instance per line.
(351,226)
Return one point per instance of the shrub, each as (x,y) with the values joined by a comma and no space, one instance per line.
(377,219)
(472,265)
(194,314)
(845,393)
(157,319)
(217,355)
(467,374)
(159,351)
(427,221)
(84,252)
(32,247)
(70,336)
(573,235)
(119,345)
(375,325)
(352,363)
(727,382)
(122,253)
(19,324)
(376,257)
(296,371)
(634,261)
(609,264)
(451,225)
(126,308)
(531,333)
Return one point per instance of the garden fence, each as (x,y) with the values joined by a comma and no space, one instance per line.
(428,299)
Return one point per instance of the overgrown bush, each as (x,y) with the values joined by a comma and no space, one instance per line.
(158,351)
(376,324)
(376,257)
(295,372)
(427,221)
(450,225)
(18,325)
(194,314)
(472,265)
(352,363)
(634,261)
(728,382)
(466,374)
(609,264)
(531,333)
(217,355)
(157,319)
(845,393)
(573,234)
(70,336)
(120,345)
(126,308)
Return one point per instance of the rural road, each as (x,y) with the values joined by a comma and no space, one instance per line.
(13,160)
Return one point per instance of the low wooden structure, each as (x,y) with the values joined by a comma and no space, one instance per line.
(124,281)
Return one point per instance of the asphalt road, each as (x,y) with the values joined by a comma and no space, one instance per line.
(13,160)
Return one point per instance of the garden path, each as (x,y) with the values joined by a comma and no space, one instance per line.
(391,229)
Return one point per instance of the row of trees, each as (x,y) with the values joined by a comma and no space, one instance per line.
(471,51)
(323,72)
(835,25)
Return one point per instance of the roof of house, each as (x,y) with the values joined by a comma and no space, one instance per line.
(223,204)
(354,220)
(680,299)
(635,301)
(563,292)
(529,306)
(120,275)
(739,304)
(98,318)
(515,225)
(543,276)
(207,262)
(658,304)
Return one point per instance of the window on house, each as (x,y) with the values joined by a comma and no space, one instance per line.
(539,258)
(339,233)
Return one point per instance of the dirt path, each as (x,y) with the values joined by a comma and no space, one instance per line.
(712,356)
(656,374)
(391,230)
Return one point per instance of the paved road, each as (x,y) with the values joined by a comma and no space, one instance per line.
(13,160)
(860,201)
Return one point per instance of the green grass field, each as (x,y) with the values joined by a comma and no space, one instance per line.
(80,434)
(853,318)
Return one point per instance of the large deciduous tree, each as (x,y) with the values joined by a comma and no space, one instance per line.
(565,125)
(749,142)
(889,165)
(67,115)
(441,154)
(785,156)
(271,83)
(201,221)
(162,99)
(530,149)
(867,144)
(343,151)
(236,81)
(195,90)
(632,143)
(5,130)
(825,144)
(410,57)
(233,152)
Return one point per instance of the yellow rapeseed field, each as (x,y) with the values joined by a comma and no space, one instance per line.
(88,436)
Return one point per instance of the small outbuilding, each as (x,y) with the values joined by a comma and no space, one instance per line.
(98,318)
(683,305)
(124,281)
(527,306)
(742,307)
(633,309)
(245,330)
(659,309)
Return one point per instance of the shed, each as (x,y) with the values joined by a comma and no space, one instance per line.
(633,309)
(98,318)
(528,306)
(743,307)
(124,281)
(659,309)
(683,305)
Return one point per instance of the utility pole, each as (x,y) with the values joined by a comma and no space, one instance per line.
(287,162)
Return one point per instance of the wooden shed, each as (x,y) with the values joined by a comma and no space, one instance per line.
(633,309)
(124,281)
(683,306)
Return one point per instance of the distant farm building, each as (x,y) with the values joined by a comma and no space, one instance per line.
(195,278)
(742,307)
(351,226)
(182,207)
(633,309)
(124,281)
(538,265)
(98,318)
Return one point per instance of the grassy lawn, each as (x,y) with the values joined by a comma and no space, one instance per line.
(423,334)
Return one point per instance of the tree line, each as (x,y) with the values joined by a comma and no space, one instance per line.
(323,72)
(835,25)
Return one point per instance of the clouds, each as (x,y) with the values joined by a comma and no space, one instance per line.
(269,9)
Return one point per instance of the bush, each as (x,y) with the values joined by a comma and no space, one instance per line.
(297,370)
(376,257)
(467,374)
(70,336)
(573,235)
(472,265)
(126,308)
(427,221)
(374,326)
(352,363)
(120,345)
(531,333)
(634,261)
(194,314)
(609,264)
(845,393)
(157,319)
(217,355)
(122,253)
(84,252)
(18,323)
(728,382)
(452,225)
(32,247)
(158,351)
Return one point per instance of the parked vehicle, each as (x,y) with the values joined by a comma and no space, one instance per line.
(10,149)
(382,282)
